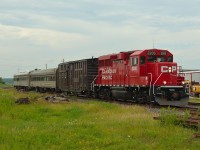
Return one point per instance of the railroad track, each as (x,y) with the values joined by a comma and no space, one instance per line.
(193,119)
(193,104)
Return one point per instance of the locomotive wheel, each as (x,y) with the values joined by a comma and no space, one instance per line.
(96,94)
(107,94)
(37,89)
(104,94)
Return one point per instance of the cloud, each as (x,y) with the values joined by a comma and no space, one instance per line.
(35,32)
(38,36)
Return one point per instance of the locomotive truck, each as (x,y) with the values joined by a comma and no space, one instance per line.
(144,76)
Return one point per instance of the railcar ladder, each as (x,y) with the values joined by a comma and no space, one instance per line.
(92,84)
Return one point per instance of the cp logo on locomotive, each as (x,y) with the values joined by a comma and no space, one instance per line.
(166,69)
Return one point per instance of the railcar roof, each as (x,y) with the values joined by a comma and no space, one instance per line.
(109,56)
(22,73)
(81,60)
(43,72)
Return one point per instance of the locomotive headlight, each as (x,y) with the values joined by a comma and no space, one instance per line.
(164,82)
(183,82)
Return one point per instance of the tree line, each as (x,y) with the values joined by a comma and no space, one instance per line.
(1,80)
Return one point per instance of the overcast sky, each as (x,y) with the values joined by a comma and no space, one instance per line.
(34,33)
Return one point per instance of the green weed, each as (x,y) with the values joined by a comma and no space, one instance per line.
(86,125)
(169,116)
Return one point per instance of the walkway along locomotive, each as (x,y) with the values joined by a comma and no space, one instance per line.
(141,75)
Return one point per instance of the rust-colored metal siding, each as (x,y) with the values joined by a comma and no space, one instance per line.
(77,76)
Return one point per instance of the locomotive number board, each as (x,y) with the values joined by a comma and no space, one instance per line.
(154,53)
(151,53)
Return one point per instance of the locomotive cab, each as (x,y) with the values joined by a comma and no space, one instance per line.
(164,82)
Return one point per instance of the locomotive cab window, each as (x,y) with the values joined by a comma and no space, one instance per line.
(170,59)
(161,59)
(156,59)
(142,60)
(134,61)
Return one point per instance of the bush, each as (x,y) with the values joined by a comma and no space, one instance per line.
(1,81)
(169,116)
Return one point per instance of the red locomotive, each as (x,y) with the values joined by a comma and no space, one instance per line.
(141,75)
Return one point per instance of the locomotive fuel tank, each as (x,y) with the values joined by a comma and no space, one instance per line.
(121,93)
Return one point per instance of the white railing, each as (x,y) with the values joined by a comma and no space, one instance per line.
(150,84)
(92,84)
(156,81)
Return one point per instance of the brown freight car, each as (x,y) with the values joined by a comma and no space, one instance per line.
(76,77)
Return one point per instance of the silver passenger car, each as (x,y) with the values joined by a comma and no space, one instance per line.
(43,80)
(22,80)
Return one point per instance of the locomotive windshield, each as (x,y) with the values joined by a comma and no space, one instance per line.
(160,59)
(156,59)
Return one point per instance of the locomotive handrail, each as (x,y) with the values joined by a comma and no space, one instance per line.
(150,84)
(92,84)
(156,81)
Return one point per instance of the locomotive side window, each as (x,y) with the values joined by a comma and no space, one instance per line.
(170,59)
(142,60)
(151,58)
(134,61)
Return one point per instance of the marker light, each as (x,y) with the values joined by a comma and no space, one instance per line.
(183,82)
(164,82)
(170,69)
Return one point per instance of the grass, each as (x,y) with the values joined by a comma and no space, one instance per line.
(4,85)
(84,125)
(194,99)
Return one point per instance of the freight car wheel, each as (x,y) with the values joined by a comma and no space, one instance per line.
(107,94)
(37,89)
(96,94)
